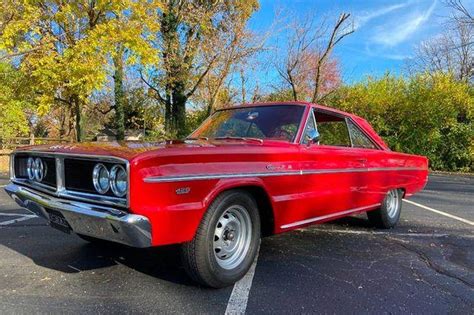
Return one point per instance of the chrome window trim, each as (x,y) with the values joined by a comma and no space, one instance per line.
(60,190)
(349,131)
(293,141)
(311,114)
(181,178)
(348,119)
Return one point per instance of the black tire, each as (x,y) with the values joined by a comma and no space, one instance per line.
(199,255)
(388,215)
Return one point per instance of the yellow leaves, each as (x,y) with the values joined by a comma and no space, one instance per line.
(45,102)
(69,45)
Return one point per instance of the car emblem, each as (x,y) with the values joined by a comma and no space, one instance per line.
(183,190)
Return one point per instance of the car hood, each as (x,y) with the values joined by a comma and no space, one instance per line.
(129,150)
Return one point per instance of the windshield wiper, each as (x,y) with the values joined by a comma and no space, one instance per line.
(198,138)
(238,138)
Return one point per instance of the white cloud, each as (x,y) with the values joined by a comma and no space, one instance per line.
(367,16)
(393,34)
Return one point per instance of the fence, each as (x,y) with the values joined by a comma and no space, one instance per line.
(13,143)
(7,145)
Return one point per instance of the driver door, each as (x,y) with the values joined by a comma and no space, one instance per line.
(333,178)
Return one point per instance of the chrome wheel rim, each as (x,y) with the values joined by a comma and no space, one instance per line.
(232,237)
(392,203)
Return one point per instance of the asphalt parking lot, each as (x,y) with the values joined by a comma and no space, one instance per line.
(425,265)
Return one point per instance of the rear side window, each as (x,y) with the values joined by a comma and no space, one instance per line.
(332,130)
(359,139)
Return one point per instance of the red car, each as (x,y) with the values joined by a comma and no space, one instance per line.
(246,172)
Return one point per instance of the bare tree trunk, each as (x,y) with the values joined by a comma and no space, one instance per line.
(337,34)
(119,94)
(77,113)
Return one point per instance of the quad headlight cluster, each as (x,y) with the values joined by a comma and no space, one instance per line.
(115,179)
(36,169)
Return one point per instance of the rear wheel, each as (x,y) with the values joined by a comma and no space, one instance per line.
(226,241)
(388,215)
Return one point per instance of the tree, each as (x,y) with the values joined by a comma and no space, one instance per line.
(65,47)
(430,114)
(451,51)
(189,34)
(119,93)
(461,13)
(306,66)
(13,104)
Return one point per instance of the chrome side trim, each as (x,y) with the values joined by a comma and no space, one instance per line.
(328,216)
(167,179)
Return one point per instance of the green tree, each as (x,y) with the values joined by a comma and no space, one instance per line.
(428,114)
(189,35)
(13,102)
(65,47)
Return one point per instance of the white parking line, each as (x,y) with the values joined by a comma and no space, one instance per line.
(10,214)
(240,294)
(1,186)
(23,218)
(440,212)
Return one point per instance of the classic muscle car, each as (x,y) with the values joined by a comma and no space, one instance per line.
(248,171)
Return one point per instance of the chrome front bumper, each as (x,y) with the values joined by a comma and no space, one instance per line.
(87,219)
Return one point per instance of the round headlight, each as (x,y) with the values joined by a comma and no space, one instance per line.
(30,168)
(39,169)
(100,178)
(118,180)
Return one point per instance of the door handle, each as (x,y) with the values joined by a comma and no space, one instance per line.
(361,160)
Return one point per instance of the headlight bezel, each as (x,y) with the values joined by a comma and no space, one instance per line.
(39,169)
(30,168)
(114,171)
(96,179)
(36,169)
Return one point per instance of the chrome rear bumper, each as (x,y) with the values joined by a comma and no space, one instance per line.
(87,219)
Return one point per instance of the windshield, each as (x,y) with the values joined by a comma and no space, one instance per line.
(279,122)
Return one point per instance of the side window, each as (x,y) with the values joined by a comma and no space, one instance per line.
(333,130)
(359,139)
(309,126)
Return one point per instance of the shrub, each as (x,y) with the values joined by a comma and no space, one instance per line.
(427,114)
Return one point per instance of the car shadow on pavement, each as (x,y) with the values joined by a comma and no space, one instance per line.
(69,254)
(359,221)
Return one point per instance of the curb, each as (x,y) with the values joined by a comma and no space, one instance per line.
(451,173)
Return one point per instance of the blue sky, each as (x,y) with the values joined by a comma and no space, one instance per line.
(387,32)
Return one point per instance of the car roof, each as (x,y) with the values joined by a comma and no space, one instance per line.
(294,103)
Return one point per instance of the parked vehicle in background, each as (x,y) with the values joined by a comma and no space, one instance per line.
(248,171)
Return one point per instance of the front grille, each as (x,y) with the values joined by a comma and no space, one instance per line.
(74,173)
(20,164)
(78,175)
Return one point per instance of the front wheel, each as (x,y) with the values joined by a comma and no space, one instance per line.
(388,215)
(226,241)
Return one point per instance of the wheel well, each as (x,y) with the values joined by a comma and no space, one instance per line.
(264,205)
(403,190)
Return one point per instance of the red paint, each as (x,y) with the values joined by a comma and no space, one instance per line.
(175,217)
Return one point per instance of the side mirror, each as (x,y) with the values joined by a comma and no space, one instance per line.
(313,136)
